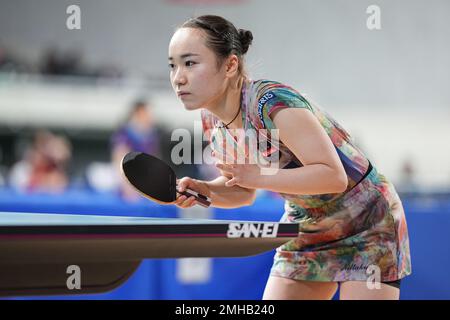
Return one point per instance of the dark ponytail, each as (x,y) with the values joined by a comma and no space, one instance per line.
(222,37)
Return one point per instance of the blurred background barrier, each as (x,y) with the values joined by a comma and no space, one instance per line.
(217,278)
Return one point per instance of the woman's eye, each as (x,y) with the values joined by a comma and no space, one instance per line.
(171,65)
(190,63)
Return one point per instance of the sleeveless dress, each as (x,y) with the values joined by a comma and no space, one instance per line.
(346,236)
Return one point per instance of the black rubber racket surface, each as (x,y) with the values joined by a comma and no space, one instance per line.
(155,179)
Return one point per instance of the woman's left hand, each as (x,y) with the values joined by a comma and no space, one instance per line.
(244,175)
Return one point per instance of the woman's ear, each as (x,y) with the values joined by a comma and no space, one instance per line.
(232,66)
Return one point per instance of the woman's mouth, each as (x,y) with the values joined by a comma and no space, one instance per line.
(182,93)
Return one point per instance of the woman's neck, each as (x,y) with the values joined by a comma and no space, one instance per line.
(230,104)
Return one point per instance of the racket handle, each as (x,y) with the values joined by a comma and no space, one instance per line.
(202,200)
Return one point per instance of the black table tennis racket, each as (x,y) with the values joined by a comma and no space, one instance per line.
(155,179)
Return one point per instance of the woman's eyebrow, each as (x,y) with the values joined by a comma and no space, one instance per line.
(185,55)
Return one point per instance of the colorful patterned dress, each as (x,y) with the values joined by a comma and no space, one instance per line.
(345,236)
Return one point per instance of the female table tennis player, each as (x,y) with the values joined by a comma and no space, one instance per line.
(352,223)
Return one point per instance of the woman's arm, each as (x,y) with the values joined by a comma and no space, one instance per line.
(322,172)
(229,197)
(221,195)
(302,133)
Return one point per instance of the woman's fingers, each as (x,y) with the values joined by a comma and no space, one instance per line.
(182,184)
(186,183)
(225,167)
(224,158)
(185,202)
(179,201)
(231,182)
(190,201)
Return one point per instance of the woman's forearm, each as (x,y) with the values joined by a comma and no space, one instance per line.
(228,197)
(308,180)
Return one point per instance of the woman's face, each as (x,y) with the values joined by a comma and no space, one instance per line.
(194,74)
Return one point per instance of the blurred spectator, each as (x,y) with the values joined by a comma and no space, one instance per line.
(408,181)
(9,63)
(43,167)
(137,133)
(56,63)
(71,63)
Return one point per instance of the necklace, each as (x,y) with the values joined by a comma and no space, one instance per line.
(239,110)
(226,126)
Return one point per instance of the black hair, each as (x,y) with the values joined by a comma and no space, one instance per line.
(222,37)
(136,106)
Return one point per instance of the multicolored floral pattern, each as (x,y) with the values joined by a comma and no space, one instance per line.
(343,236)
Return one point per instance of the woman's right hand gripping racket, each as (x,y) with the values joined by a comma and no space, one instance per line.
(155,179)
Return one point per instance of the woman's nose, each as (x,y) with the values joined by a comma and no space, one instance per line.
(179,78)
